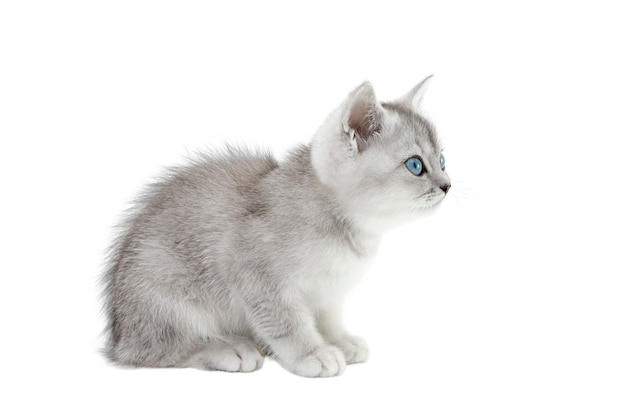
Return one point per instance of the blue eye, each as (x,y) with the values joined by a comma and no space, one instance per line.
(415,165)
(442,161)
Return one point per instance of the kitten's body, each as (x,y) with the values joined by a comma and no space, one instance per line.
(236,256)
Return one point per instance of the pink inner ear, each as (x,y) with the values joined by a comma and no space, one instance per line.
(362,115)
(365,121)
(361,120)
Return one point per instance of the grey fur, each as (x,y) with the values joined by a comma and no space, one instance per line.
(235,256)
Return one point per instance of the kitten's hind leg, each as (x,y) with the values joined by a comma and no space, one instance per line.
(230,354)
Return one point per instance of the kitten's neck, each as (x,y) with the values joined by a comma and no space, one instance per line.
(319,199)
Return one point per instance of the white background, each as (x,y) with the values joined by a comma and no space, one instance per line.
(510,301)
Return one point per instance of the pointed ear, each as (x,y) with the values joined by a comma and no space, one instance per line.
(413,99)
(362,116)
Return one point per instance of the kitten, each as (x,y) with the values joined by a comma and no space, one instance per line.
(235,256)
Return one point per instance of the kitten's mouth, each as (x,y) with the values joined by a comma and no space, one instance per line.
(432,198)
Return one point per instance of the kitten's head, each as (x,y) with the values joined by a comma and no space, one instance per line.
(382,160)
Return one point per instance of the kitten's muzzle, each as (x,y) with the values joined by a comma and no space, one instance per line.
(445,188)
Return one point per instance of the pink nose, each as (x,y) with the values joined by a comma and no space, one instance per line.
(445,188)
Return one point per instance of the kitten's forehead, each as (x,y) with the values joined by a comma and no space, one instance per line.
(417,129)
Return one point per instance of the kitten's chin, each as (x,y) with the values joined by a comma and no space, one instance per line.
(430,207)
(392,220)
(427,211)
(379,222)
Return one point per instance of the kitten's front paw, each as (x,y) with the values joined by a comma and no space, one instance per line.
(354,349)
(323,362)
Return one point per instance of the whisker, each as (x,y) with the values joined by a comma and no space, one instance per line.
(456,201)
(466,192)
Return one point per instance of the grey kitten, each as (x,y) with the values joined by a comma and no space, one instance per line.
(235,256)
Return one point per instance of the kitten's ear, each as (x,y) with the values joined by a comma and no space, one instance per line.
(413,99)
(362,117)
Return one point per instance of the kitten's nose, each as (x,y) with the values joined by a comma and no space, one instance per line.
(445,188)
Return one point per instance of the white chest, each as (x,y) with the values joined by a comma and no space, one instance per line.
(332,272)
